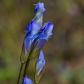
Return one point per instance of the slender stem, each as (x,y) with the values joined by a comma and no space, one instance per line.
(26,67)
(20,73)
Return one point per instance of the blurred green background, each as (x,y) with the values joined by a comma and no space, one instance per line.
(64,52)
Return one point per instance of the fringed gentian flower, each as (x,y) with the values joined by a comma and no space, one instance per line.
(44,34)
(35,35)
(26,81)
(40,64)
(31,30)
(38,13)
(31,33)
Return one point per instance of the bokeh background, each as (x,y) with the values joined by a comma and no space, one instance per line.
(64,52)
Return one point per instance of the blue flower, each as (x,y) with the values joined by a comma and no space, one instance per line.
(33,29)
(44,34)
(39,7)
(40,64)
(31,33)
(26,81)
(46,31)
(38,13)
(36,36)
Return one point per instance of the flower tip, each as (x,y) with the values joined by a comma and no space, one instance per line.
(37,3)
(47,30)
(41,56)
(40,2)
(26,81)
(44,9)
(34,4)
(49,23)
(39,6)
(40,64)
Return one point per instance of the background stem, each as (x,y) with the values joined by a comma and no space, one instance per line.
(26,68)
(20,73)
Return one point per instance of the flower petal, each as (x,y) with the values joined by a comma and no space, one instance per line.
(40,64)
(38,13)
(39,7)
(47,30)
(26,81)
(28,40)
(41,56)
(27,46)
(40,43)
(29,26)
(43,35)
(32,27)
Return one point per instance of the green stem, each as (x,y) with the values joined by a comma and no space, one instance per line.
(26,67)
(20,73)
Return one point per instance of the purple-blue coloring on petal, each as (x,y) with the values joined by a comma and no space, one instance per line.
(32,27)
(40,62)
(39,7)
(35,28)
(41,56)
(44,34)
(26,81)
(40,43)
(38,13)
(28,27)
(47,30)
(30,36)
